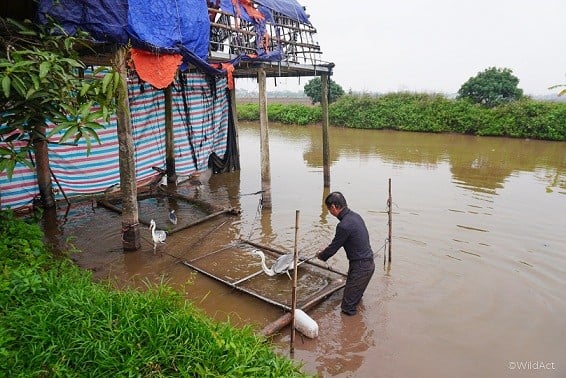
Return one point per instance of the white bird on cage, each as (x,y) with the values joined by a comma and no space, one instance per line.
(283,264)
(158,236)
(172,217)
(163,181)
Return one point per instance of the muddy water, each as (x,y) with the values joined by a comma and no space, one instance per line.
(478,273)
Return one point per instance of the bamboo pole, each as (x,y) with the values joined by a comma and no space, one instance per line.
(294,290)
(199,221)
(169,138)
(325,137)
(59,186)
(239,288)
(390,222)
(264,143)
(210,208)
(231,211)
(248,277)
(233,106)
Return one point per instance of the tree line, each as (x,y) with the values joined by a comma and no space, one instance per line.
(488,104)
(491,87)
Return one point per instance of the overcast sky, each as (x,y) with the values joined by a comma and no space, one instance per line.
(437,45)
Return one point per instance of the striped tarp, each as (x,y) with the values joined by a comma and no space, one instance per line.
(197,134)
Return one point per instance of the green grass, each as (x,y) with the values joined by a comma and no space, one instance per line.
(421,112)
(56,322)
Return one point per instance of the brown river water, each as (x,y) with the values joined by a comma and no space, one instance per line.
(477,283)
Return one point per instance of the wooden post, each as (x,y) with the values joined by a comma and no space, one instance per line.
(325,142)
(130,225)
(169,138)
(233,100)
(42,168)
(294,291)
(264,143)
(390,223)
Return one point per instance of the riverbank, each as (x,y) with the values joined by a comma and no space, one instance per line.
(416,112)
(55,321)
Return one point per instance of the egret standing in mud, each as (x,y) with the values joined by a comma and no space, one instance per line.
(283,264)
(158,236)
(172,217)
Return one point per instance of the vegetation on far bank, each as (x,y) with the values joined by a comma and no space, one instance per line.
(55,321)
(524,118)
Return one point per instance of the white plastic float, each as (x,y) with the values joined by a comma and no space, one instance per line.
(305,324)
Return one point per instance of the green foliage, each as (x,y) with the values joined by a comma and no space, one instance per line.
(42,81)
(54,321)
(491,87)
(313,89)
(427,113)
(399,111)
(20,242)
(293,114)
(529,119)
(248,112)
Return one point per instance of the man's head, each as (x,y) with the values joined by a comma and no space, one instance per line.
(335,202)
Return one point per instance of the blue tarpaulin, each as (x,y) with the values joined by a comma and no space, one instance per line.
(289,8)
(174,26)
(163,25)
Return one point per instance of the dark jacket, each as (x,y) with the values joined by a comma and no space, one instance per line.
(352,234)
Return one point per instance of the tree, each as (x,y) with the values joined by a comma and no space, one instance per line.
(42,83)
(492,87)
(313,89)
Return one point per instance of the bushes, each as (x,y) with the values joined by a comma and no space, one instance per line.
(248,112)
(54,321)
(531,119)
(292,114)
(427,113)
(20,243)
(361,112)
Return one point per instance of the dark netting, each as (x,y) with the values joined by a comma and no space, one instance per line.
(231,160)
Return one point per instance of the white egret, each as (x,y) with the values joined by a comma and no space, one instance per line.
(172,217)
(163,181)
(158,236)
(283,264)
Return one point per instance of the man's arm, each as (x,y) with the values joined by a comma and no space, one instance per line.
(339,239)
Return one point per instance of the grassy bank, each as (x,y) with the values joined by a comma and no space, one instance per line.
(55,321)
(427,113)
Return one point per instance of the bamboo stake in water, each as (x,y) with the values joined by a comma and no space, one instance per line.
(294,291)
(389,212)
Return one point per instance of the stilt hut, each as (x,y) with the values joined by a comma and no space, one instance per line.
(179,60)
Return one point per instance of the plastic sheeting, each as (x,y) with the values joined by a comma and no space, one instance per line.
(180,26)
(200,126)
(170,23)
(289,8)
(161,25)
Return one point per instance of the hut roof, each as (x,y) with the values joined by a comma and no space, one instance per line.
(274,33)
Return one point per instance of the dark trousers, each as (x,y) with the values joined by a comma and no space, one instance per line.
(359,275)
